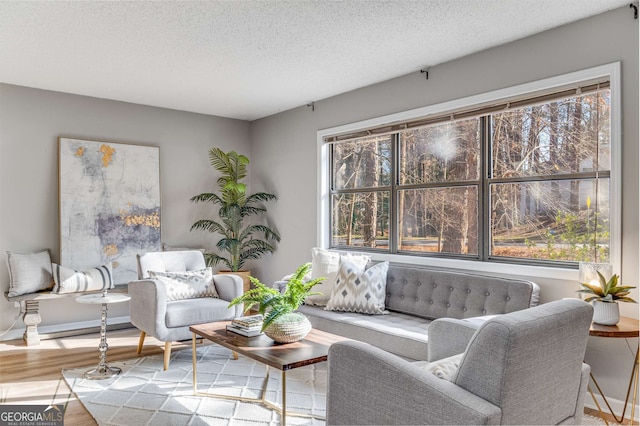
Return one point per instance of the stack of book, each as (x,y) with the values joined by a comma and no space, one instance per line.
(246,326)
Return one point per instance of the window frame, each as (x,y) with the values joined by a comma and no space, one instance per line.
(492,265)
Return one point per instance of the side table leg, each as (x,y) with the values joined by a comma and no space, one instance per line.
(633,379)
(102,371)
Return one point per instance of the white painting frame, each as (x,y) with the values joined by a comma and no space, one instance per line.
(109,204)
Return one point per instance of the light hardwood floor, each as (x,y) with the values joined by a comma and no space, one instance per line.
(31,374)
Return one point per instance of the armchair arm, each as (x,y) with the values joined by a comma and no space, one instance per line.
(582,393)
(229,287)
(148,307)
(450,336)
(366,385)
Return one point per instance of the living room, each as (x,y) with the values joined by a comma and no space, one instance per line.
(284,149)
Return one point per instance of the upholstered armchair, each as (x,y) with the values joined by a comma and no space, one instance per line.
(524,367)
(169,320)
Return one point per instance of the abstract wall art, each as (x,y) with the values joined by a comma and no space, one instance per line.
(109,204)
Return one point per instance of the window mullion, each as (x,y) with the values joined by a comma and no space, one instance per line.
(394,226)
(484,201)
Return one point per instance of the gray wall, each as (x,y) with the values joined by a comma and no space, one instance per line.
(31,121)
(285,150)
(283,153)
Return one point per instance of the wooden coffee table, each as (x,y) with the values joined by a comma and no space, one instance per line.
(311,350)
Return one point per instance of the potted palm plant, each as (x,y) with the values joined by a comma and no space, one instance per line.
(605,297)
(281,322)
(241,239)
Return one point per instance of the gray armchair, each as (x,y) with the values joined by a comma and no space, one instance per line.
(519,368)
(169,321)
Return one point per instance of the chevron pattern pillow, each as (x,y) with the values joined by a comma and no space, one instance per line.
(187,284)
(68,280)
(358,290)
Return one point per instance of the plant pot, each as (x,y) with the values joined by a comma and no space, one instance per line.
(246,282)
(606,313)
(289,328)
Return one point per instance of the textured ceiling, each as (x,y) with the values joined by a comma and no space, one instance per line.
(249,59)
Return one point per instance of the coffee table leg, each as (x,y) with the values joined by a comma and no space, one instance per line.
(193,349)
(283,415)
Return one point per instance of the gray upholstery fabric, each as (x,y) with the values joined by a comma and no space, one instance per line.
(450,336)
(368,386)
(169,261)
(433,293)
(416,295)
(529,362)
(521,368)
(401,334)
(188,311)
(170,321)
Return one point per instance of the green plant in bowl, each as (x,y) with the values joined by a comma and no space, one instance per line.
(273,304)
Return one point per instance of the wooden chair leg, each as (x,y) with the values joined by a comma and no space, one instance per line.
(141,341)
(167,354)
(235,355)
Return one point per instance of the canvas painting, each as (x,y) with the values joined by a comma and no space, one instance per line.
(109,205)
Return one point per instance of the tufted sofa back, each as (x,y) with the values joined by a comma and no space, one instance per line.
(433,293)
(170,261)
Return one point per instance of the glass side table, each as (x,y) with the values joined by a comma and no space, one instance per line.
(102,371)
(626,328)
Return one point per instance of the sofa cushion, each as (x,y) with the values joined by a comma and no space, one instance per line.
(29,273)
(325,264)
(187,284)
(187,312)
(68,280)
(401,334)
(359,291)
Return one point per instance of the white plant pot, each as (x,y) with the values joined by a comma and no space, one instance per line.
(606,313)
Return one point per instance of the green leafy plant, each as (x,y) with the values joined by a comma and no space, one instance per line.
(240,240)
(607,291)
(272,304)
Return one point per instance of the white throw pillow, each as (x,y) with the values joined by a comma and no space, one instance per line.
(359,291)
(325,263)
(444,368)
(29,273)
(187,284)
(68,280)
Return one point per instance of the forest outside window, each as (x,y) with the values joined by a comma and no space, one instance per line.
(526,181)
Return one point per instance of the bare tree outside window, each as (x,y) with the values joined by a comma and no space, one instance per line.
(439,218)
(534,181)
(561,212)
(361,219)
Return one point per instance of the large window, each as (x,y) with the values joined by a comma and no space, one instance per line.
(526,181)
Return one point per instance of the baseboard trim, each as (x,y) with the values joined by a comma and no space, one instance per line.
(616,404)
(71,329)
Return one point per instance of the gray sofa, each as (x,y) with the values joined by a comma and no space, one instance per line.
(520,368)
(415,297)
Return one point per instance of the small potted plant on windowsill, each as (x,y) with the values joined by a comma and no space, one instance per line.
(605,297)
(281,322)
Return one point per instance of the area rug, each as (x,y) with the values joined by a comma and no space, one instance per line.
(145,394)
(588,420)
